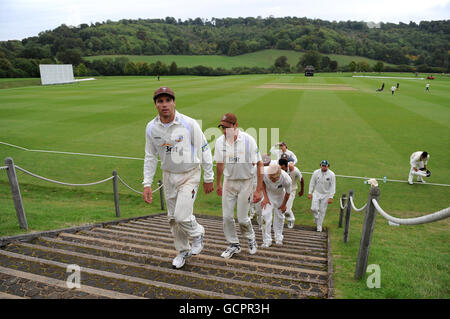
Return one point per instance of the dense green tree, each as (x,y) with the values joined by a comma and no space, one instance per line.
(310,58)
(378,67)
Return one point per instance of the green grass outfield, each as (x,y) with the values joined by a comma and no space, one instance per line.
(264,59)
(328,116)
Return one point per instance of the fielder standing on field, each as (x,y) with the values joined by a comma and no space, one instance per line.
(182,147)
(321,191)
(236,154)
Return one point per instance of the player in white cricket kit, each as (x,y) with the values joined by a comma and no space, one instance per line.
(296,176)
(418,161)
(236,154)
(321,190)
(255,208)
(277,186)
(181,146)
(283,150)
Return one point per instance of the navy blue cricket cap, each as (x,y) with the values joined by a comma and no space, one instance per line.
(324,163)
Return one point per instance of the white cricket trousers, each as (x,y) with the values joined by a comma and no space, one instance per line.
(238,193)
(278,223)
(319,206)
(180,190)
(419,173)
(289,214)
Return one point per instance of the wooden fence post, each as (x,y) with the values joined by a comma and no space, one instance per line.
(161,194)
(116,193)
(347,216)
(17,197)
(367,231)
(341,213)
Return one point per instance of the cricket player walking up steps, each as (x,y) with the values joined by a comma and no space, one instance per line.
(418,161)
(321,191)
(255,208)
(296,176)
(181,146)
(277,186)
(235,154)
(283,150)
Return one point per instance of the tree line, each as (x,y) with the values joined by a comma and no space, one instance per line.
(422,47)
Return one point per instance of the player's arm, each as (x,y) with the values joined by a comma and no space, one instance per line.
(302,187)
(150,163)
(333,188)
(219,173)
(265,200)
(259,180)
(312,185)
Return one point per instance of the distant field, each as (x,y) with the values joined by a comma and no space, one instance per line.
(265,58)
(359,131)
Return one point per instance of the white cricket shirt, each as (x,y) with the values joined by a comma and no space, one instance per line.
(296,176)
(276,190)
(239,158)
(414,160)
(323,183)
(180,145)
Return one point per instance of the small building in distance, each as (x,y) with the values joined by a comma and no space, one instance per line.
(309,70)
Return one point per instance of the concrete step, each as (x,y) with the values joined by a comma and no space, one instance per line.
(26,285)
(294,236)
(105,279)
(293,272)
(213,235)
(132,258)
(155,273)
(268,257)
(191,266)
(217,235)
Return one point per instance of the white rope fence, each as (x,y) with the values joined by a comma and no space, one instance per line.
(353,205)
(17,198)
(384,179)
(369,225)
(61,183)
(442,214)
(342,206)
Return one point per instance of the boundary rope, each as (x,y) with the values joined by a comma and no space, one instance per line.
(141,159)
(61,183)
(353,205)
(87,184)
(340,202)
(444,213)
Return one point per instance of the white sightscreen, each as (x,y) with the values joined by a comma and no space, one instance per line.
(56,73)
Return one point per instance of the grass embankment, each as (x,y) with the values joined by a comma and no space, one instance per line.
(264,59)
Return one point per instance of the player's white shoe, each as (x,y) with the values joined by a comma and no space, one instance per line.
(231,250)
(266,245)
(180,259)
(197,245)
(252,247)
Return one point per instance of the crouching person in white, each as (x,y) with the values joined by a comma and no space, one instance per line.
(277,186)
(321,190)
(418,161)
(235,154)
(182,147)
(296,176)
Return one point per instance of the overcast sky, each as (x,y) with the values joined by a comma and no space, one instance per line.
(24,18)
